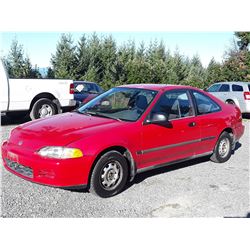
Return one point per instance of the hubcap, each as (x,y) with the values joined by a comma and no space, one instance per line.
(224,147)
(111,175)
(45,111)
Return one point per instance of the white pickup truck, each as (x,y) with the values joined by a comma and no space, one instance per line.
(38,97)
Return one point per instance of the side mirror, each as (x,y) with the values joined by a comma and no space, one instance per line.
(158,118)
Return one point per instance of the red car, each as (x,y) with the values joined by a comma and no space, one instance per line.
(124,131)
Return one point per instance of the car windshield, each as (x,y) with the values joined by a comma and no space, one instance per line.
(120,103)
(214,88)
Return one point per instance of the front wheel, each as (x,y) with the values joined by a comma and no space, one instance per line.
(43,108)
(110,175)
(223,148)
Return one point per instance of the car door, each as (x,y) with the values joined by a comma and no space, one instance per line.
(178,139)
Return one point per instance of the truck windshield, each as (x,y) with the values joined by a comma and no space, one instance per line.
(120,103)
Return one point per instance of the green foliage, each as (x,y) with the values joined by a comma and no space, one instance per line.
(99,59)
(64,60)
(244,40)
(50,73)
(19,66)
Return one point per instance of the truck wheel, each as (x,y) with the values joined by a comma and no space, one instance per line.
(43,108)
(110,175)
(223,149)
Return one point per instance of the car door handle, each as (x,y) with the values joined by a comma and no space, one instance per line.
(192,124)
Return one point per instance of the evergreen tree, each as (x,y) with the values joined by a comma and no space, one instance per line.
(213,73)
(82,57)
(50,73)
(109,58)
(244,40)
(92,75)
(64,61)
(196,74)
(17,64)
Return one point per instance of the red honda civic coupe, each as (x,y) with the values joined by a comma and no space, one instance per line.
(122,132)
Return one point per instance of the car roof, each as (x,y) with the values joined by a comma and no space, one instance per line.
(243,83)
(156,86)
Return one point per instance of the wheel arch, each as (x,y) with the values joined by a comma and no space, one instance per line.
(230,131)
(44,95)
(122,150)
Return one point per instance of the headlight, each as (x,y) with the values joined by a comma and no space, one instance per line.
(60,152)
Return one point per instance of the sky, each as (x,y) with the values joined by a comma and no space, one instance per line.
(40,45)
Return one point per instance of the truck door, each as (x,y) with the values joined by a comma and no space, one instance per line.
(4,88)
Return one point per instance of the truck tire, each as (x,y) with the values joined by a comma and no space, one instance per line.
(43,108)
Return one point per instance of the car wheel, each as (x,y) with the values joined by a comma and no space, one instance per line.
(230,102)
(43,108)
(109,175)
(223,148)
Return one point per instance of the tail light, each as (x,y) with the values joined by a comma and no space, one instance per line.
(247,95)
(71,88)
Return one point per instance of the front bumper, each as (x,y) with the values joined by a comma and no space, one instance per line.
(53,172)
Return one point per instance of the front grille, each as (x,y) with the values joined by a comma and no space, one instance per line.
(23,170)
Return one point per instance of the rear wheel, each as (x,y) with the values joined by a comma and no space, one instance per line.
(43,108)
(110,175)
(223,148)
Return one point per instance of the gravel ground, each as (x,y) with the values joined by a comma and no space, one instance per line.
(197,188)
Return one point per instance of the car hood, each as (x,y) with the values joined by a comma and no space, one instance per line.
(59,130)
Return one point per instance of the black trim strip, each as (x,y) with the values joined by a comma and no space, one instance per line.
(173,145)
(141,170)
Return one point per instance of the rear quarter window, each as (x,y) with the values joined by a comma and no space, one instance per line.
(237,88)
(205,105)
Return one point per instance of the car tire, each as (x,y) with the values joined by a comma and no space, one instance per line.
(109,175)
(43,108)
(223,148)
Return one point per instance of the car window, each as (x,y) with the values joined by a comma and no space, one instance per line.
(237,88)
(205,104)
(174,104)
(91,87)
(120,103)
(214,88)
(224,88)
(249,87)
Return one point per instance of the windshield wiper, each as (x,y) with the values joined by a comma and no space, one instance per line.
(100,115)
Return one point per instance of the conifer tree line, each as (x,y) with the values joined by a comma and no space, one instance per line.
(99,59)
